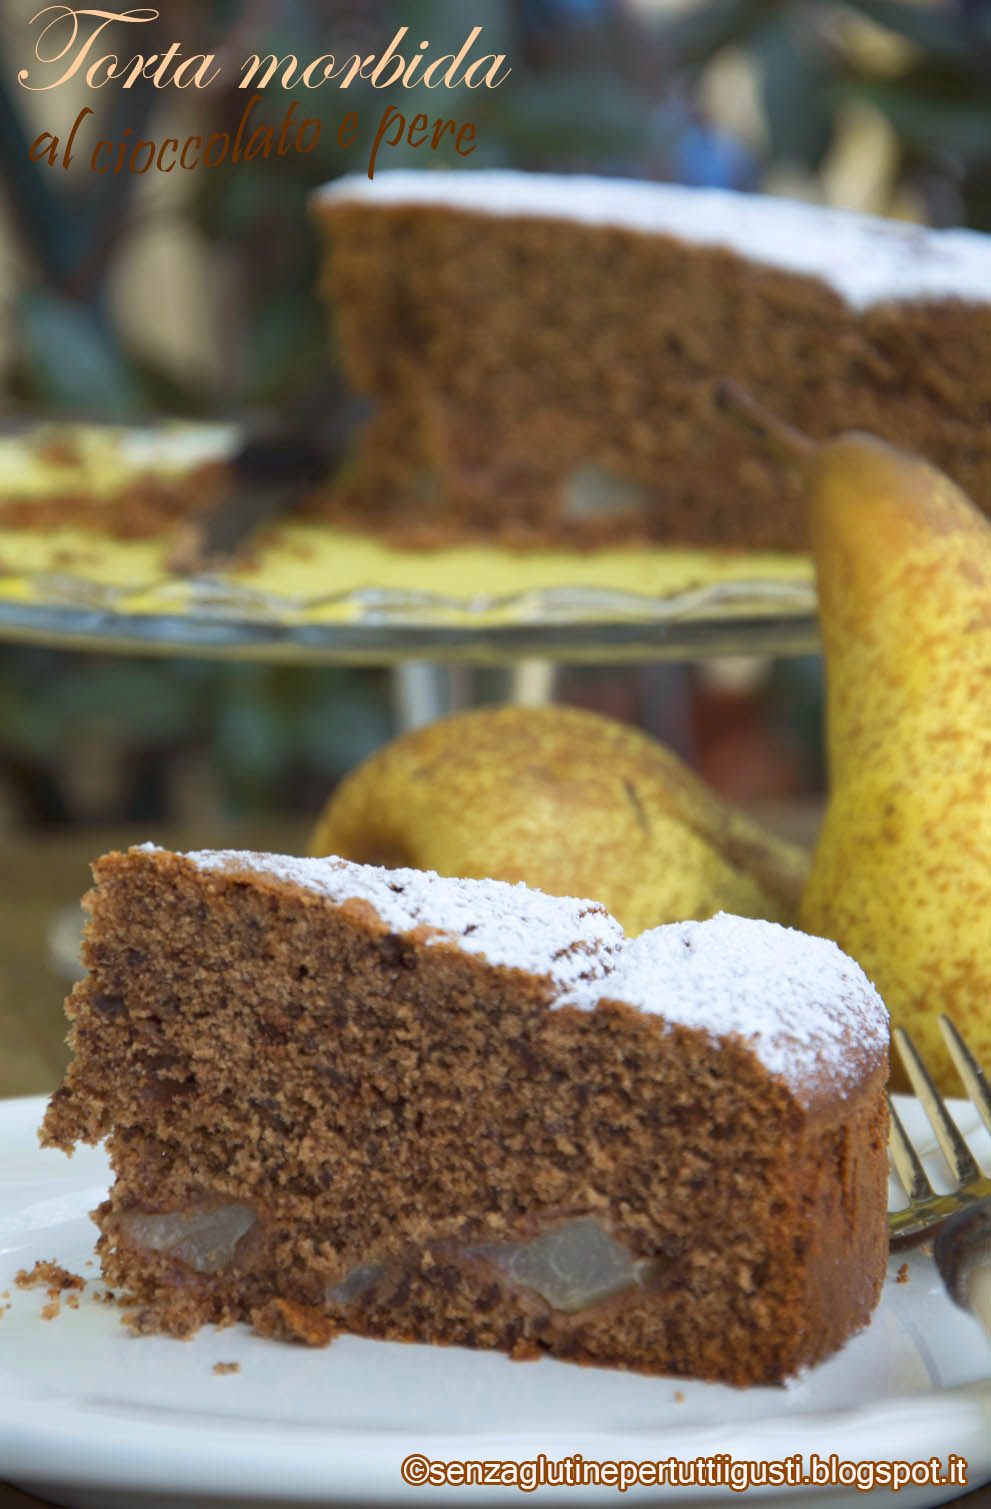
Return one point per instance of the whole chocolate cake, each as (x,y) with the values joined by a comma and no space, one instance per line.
(543,353)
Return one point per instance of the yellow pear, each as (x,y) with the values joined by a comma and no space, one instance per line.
(901,876)
(572,803)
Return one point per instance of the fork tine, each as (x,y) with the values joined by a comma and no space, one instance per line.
(907,1163)
(970,1071)
(955,1150)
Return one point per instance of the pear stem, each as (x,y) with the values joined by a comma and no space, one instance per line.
(783,439)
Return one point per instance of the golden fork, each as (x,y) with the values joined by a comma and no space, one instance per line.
(961,1220)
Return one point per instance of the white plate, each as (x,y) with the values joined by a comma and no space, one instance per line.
(90,1416)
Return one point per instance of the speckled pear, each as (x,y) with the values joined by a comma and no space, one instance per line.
(901,876)
(570,802)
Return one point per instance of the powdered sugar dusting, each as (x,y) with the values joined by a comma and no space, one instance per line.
(866,260)
(799,1001)
(510,925)
(804,1008)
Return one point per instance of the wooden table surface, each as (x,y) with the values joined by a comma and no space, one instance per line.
(14,1498)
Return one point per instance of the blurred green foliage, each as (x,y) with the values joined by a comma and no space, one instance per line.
(596,86)
(258,738)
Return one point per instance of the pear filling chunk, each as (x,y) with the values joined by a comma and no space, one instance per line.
(592,492)
(204,1239)
(355,1284)
(574,1266)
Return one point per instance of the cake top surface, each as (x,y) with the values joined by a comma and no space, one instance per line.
(510,925)
(805,1009)
(800,1001)
(865,259)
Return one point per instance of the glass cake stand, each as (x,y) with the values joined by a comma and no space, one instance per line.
(586,627)
(310,592)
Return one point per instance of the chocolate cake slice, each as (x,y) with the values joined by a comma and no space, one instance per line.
(458,1111)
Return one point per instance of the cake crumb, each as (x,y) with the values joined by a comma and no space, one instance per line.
(147,1320)
(288,1320)
(220,1368)
(49,1275)
(679,1397)
(51,1310)
(901,1277)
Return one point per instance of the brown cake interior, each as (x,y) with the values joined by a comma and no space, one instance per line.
(368,1110)
(543,381)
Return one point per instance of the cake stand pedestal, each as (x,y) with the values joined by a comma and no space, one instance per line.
(425,690)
